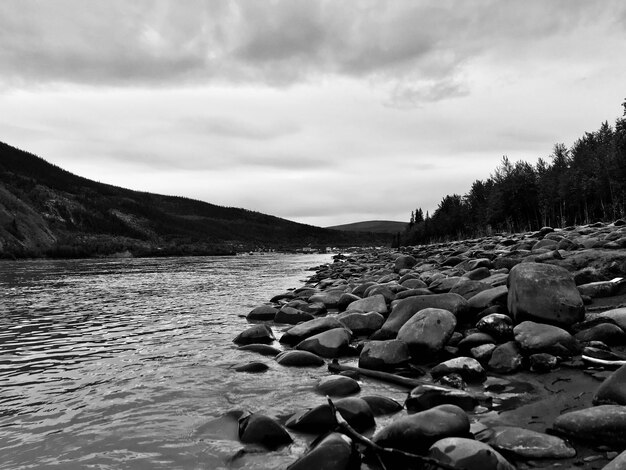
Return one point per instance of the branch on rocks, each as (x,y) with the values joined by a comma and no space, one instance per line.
(334,366)
(381,452)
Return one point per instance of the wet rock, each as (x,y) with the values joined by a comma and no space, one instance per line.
(251,367)
(613,389)
(452,380)
(299,359)
(345,300)
(384,355)
(310,328)
(608,333)
(506,358)
(483,352)
(263,430)
(255,334)
(488,298)
(544,293)
(320,419)
(292,316)
(338,386)
(416,433)
(375,303)
(334,452)
(473,340)
(332,343)
(361,323)
(382,405)
(542,362)
(468,368)
(538,337)
(426,396)
(498,325)
(468,454)
(330,298)
(427,332)
(264,349)
(526,444)
(314,308)
(618,315)
(262,313)
(605,424)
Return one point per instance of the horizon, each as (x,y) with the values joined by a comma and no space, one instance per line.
(316,112)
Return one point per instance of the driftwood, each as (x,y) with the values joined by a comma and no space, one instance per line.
(380,451)
(334,366)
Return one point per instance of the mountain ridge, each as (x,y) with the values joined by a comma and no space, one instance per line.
(372,226)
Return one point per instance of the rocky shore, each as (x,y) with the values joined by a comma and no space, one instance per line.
(511,349)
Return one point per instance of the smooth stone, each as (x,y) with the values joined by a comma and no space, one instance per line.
(334,452)
(264,349)
(292,316)
(506,358)
(299,359)
(320,419)
(427,332)
(468,454)
(359,290)
(384,355)
(263,430)
(416,433)
(225,427)
(468,368)
(255,334)
(338,386)
(330,298)
(477,274)
(404,262)
(426,396)
(526,444)
(467,288)
(443,285)
(345,300)
(618,315)
(375,303)
(544,293)
(488,298)
(309,328)
(498,325)
(362,323)
(483,352)
(604,424)
(602,288)
(608,333)
(414,284)
(539,337)
(330,344)
(381,405)
(262,313)
(251,367)
(473,340)
(314,308)
(618,463)
(613,389)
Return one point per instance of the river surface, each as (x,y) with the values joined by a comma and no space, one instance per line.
(126,364)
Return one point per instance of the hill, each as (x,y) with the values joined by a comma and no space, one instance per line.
(372,226)
(48,211)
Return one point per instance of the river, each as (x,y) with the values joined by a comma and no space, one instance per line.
(126,364)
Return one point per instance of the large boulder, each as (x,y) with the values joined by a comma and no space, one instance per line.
(299,359)
(375,303)
(320,419)
(262,313)
(263,430)
(539,337)
(468,454)
(362,323)
(406,308)
(404,262)
(506,358)
(416,433)
(307,329)
(330,298)
(330,344)
(544,293)
(604,424)
(338,386)
(618,315)
(613,389)
(255,334)
(427,332)
(384,355)
(292,316)
(526,444)
(488,298)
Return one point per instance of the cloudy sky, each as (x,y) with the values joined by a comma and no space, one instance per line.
(323,112)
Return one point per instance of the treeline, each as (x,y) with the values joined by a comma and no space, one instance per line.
(581,184)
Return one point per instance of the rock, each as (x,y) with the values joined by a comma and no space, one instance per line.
(251,367)
(542,362)
(404,309)
(332,343)
(314,308)
(468,454)
(604,424)
(299,359)
(382,405)
(443,285)
(292,316)
(613,389)
(330,298)
(427,332)
(526,444)
(263,430)
(483,352)
(404,262)
(310,328)
(468,368)
(473,340)
(334,452)
(506,358)
(375,303)
(320,419)
(618,463)
(414,284)
(384,290)
(477,274)
(255,334)
(426,396)
(537,337)
(338,386)
(497,325)
(361,323)
(416,433)
(608,333)
(262,313)
(467,288)
(359,291)
(602,288)
(488,298)
(618,315)
(384,355)
(544,293)
(264,349)
(345,300)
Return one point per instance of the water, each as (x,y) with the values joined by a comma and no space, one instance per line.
(114,364)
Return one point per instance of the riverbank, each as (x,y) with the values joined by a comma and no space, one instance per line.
(516,342)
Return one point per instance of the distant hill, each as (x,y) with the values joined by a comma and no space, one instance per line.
(48,211)
(372,226)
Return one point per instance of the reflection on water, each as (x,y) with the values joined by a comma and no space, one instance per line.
(119,363)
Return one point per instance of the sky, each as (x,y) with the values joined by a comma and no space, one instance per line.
(321,112)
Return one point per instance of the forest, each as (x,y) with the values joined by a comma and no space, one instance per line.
(578,185)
